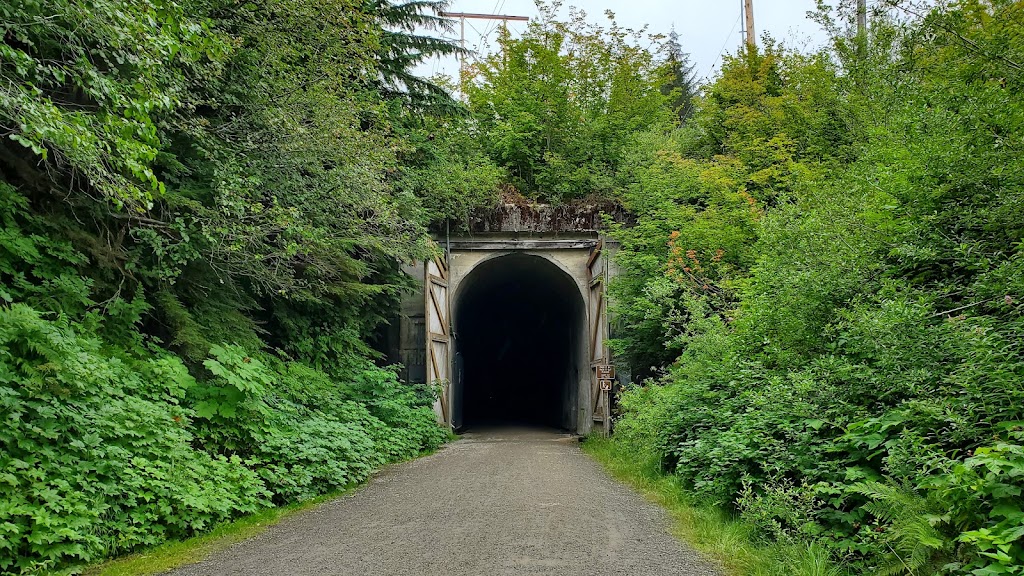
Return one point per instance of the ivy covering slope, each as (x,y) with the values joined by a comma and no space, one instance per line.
(204,207)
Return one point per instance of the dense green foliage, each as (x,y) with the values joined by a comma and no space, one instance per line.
(555,108)
(826,281)
(204,206)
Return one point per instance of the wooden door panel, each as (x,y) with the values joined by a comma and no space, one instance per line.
(438,332)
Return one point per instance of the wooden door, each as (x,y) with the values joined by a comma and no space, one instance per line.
(438,329)
(600,355)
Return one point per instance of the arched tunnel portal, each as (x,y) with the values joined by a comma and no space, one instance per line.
(520,325)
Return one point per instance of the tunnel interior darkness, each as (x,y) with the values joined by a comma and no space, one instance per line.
(518,323)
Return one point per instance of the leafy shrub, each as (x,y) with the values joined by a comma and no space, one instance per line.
(852,380)
(407,410)
(303,457)
(185,297)
(781,511)
(301,432)
(110,442)
(984,497)
(96,453)
(968,519)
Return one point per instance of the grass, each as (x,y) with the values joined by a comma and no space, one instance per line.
(724,539)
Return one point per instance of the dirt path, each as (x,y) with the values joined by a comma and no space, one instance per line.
(501,502)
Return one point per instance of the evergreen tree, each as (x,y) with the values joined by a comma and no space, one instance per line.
(404,45)
(680,79)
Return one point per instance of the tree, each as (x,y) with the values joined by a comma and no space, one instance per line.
(403,46)
(860,389)
(681,82)
(557,106)
(85,88)
(199,233)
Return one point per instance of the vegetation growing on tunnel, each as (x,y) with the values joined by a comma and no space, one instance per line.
(556,107)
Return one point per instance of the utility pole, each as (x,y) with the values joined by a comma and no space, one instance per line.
(748,9)
(462,28)
(862,28)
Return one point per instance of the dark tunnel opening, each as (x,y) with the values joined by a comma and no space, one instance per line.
(518,323)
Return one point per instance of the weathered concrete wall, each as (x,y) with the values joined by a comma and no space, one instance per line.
(571,261)
(569,255)
(409,348)
(562,236)
(536,218)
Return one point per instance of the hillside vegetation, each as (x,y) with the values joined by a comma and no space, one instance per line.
(825,288)
(205,206)
(821,298)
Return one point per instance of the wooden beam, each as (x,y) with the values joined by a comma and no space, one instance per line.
(443,397)
(433,362)
(478,16)
(597,325)
(594,254)
(441,317)
(441,267)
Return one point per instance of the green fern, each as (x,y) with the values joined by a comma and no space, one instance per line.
(916,543)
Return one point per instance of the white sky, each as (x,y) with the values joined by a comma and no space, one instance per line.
(706,28)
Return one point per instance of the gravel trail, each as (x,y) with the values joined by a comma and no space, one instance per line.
(501,502)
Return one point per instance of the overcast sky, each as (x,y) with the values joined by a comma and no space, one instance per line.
(706,28)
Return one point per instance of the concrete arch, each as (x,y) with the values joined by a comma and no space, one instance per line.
(566,262)
(520,326)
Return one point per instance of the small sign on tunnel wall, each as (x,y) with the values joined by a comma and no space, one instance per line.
(606,385)
(605,372)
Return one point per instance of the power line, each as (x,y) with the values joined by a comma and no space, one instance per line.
(722,51)
(495,10)
(463,16)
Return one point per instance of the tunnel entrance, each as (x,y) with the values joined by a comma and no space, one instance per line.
(519,321)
